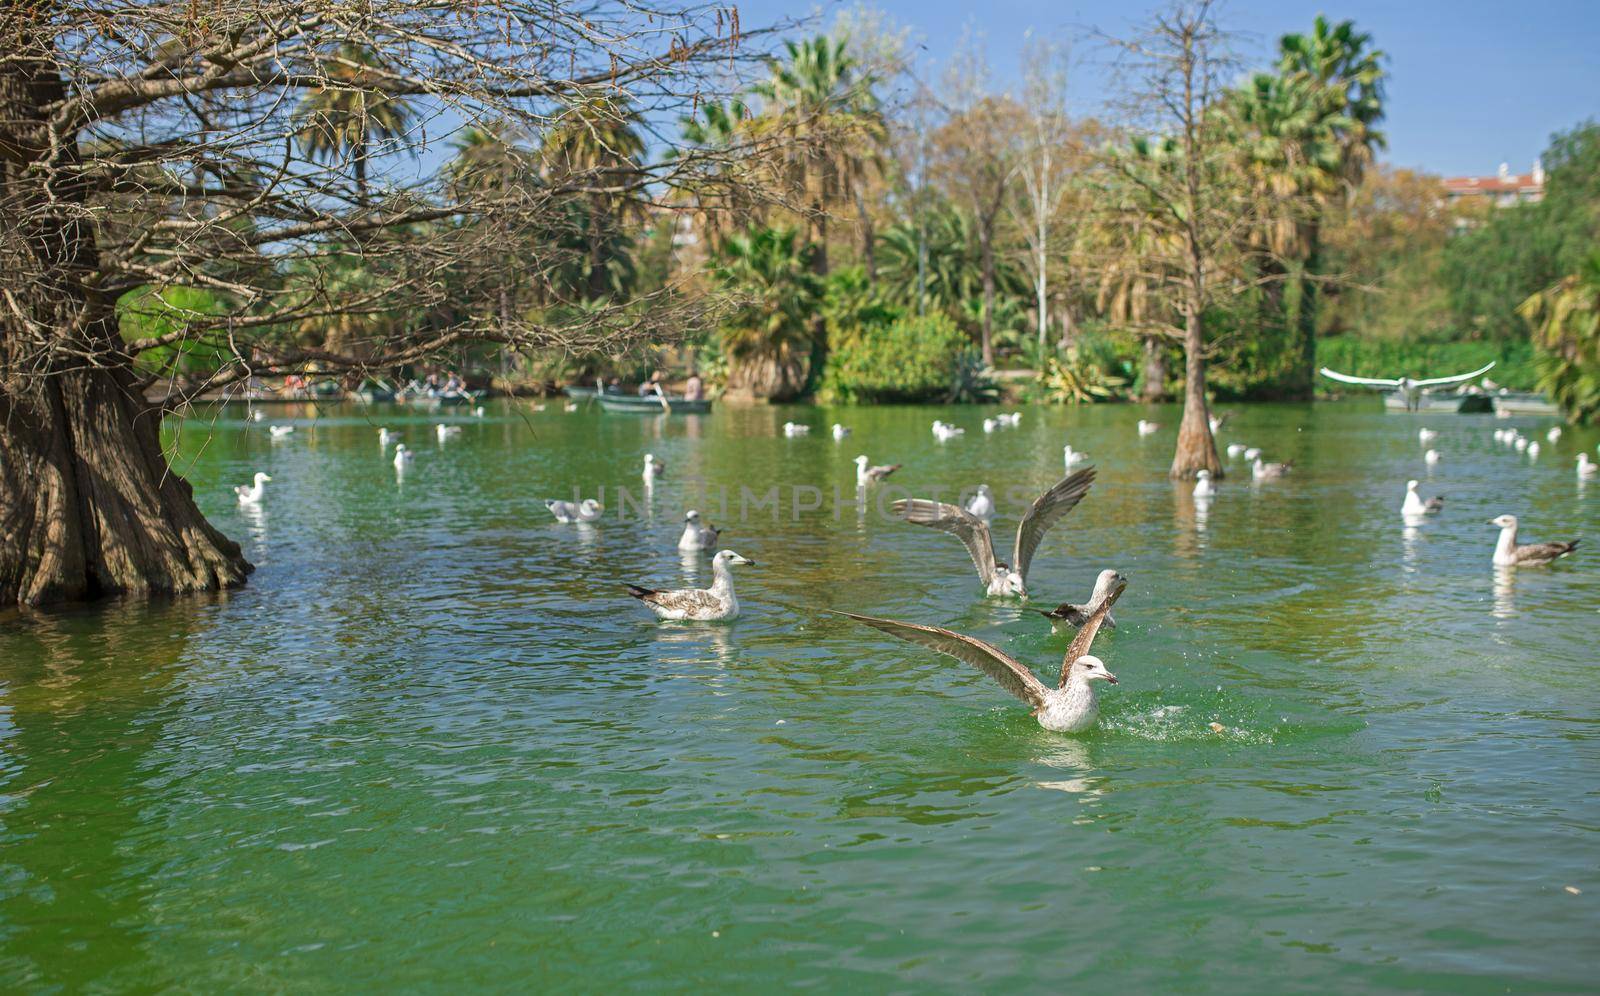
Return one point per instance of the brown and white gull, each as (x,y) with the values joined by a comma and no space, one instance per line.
(1001,579)
(1072,615)
(867,474)
(1070,707)
(697,535)
(698,604)
(1509,553)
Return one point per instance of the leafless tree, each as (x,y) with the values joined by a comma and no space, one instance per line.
(162,144)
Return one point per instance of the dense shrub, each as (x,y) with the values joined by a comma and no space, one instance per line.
(908,360)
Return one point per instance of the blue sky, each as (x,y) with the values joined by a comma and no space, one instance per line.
(1472,84)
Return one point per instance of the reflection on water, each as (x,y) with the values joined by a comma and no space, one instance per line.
(433,705)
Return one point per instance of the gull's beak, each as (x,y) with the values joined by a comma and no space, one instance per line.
(1111,677)
(746,562)
(1490,522)
(266,478)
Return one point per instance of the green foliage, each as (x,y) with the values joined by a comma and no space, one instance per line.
(1566,323)
(909,360)
(1515,365)
(145,313)
(769,336)
(1076,377)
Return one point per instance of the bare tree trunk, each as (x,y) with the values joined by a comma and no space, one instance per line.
(1155,371)
(869,240)
(1197,450)
(88,505)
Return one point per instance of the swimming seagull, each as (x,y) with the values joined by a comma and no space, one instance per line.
(1234,450)
(944,432)
(1073,456)
(1414,505)
(1426,435)
(1252,453)
(251,494)
(280,431)
(385,437)
(652,468)
(1431,457)
(1509,553)
(477,412)
(1070,707)
(989,424)
(1533,451)
(1203,488)
(1410,390)
(840,431)
(446,431)
(572,406)
(1268,471)
(696,534)
(1521,443)
(982,503)
(1554,434)
(998,578)
(402,457)
(1587,468)
(1012,419)
(587,510)
(1148,428)
(866,475)
(1077,615)
(1218,421)
(796,429)
(699,604)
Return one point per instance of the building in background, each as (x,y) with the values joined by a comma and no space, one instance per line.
(1503,189)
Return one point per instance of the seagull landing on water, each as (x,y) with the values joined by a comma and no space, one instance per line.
(1218,421)
(1203,488)
(999,579)
(1587,469)
(866,474)
(1509,553)
(698,604)
(1068,614)
(587,510)
(1268,471)
(840,431)
(251,494)
(1413,505)
(1410,390)
(1070,707)
(280,431)
(1148,428)
(697,535)
(982,503)
(1072,457)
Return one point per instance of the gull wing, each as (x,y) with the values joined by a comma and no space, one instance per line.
(1045,512)
(1085,638)
(1348,379)
(1458,378)
(957,521)
(1012,674)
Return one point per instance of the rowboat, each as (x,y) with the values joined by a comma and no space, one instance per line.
(1525,403)
(650,404)
(1430,403)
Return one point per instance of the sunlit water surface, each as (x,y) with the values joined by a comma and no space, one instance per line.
(433,746)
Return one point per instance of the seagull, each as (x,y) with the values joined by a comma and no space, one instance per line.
(796,429)
(1427,435)
(1554,434)
(696,534)
(1410,390)
(652,468)
(572,406)
(280,431)
(477,412)
(982,503)
(1587,468)
(1414,506)
(1217,421)
(1234,449)
(1533,451)
(1521,443)
(258,416)
(840,431)
(1431,457)
(866,475)
(587,510)
(998,578)
(385,437)
(700,604)
(1077,615)
(943,431)
(1203,488)
(1508,553)
(1252,453)
(251,494)
(446,431)
(1070,707)
(1073,456)
(1267,471)
(989,424)
(1012,419)
(1148,428)
(538,408)
(402,457)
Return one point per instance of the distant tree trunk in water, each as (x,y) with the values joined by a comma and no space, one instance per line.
(1155,371)
(1197,450)
(88,505)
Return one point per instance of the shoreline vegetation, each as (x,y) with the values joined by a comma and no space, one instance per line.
(533,196)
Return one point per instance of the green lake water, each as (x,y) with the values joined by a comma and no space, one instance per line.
(433,746)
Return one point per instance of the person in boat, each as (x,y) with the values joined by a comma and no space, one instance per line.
(694,389)
(453,384)
(651,385)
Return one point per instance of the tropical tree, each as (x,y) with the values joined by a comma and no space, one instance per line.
(350,113)
(599,140)
(1566,325)
(768,337)
(932,261)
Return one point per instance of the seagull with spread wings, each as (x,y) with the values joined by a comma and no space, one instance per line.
(1001,579)
(1070,707)
(1411,390)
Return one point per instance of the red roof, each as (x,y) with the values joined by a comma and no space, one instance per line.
(1511,183)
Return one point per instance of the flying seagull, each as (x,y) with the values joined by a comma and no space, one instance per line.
(699,604)
(1076,615)
(1410,390)
(1070,707)
(999,578)
(1509,553)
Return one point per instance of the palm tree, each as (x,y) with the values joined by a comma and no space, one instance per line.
(768,339)
(485,162)
(598,145)
(1566,323)
(352,113)
(953,272)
